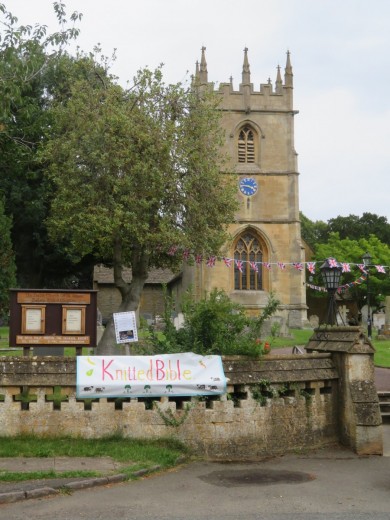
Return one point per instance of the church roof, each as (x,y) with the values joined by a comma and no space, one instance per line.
(105,275)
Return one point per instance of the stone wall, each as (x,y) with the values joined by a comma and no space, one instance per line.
(274,405)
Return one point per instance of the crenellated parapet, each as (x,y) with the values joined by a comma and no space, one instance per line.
(270,96)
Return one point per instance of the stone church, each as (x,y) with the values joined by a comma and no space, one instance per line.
(266,252)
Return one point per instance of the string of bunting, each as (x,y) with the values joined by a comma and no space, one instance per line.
(300,266)
(342,288)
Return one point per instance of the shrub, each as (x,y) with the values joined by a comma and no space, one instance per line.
(213,325)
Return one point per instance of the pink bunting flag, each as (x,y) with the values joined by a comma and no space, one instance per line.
(332,262)
(267,265)
(298,266)
(211,261)
(198,259)
(228,262)
(346,268)
(311,267)
(172,251)
(362,267)
(254,266)
(281,265)
(186,254)
(380,268)
(239,265)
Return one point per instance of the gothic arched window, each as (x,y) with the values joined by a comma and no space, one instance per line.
(248,256)
(246,145)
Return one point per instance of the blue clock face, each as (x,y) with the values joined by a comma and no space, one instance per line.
(248,186)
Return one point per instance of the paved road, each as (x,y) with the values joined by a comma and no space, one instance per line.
(328,485)
(382,379)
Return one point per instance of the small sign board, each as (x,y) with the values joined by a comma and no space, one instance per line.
(125,324)
(49,318)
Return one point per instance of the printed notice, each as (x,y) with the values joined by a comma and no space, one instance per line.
(33,320)
(73,320)
(125,327)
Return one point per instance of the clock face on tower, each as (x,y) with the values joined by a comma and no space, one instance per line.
(248,186)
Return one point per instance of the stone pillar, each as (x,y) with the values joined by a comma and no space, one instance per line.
(360,422)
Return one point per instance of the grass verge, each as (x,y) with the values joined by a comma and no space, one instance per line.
(382,354)
(134,454)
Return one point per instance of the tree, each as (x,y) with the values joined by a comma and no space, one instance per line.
(35,69)
(355,227)
(313,232)
(352,227)
(136,172)
(7,262)
(351,251)
(26,52)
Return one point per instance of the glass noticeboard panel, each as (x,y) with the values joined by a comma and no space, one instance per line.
(73,319)
(33,319)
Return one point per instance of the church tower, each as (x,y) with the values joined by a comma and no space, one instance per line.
(266,250)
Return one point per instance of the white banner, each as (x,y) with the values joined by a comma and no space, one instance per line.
(150,376)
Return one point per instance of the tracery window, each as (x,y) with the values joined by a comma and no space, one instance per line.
(248,256)
(246,145)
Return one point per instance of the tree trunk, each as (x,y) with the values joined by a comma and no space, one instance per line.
(131,295)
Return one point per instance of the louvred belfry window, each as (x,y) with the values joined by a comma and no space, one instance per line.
(247,252)
(246,145)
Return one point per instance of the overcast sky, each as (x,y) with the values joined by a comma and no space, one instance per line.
(340,53)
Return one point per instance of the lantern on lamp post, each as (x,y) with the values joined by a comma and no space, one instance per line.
(367,262)
(331,273)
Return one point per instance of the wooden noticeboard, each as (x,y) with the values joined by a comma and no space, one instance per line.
(53,318)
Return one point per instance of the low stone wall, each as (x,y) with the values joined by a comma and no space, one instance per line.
(275,405)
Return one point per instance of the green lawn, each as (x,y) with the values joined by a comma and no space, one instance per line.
(4,337)
(299,337)
(134,454)
(382,354)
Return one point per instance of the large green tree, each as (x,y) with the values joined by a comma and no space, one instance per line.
(136,173)
(355,227)
(351,226)
(34,70)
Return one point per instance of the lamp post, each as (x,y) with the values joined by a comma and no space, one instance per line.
(367,262)
(331,273)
